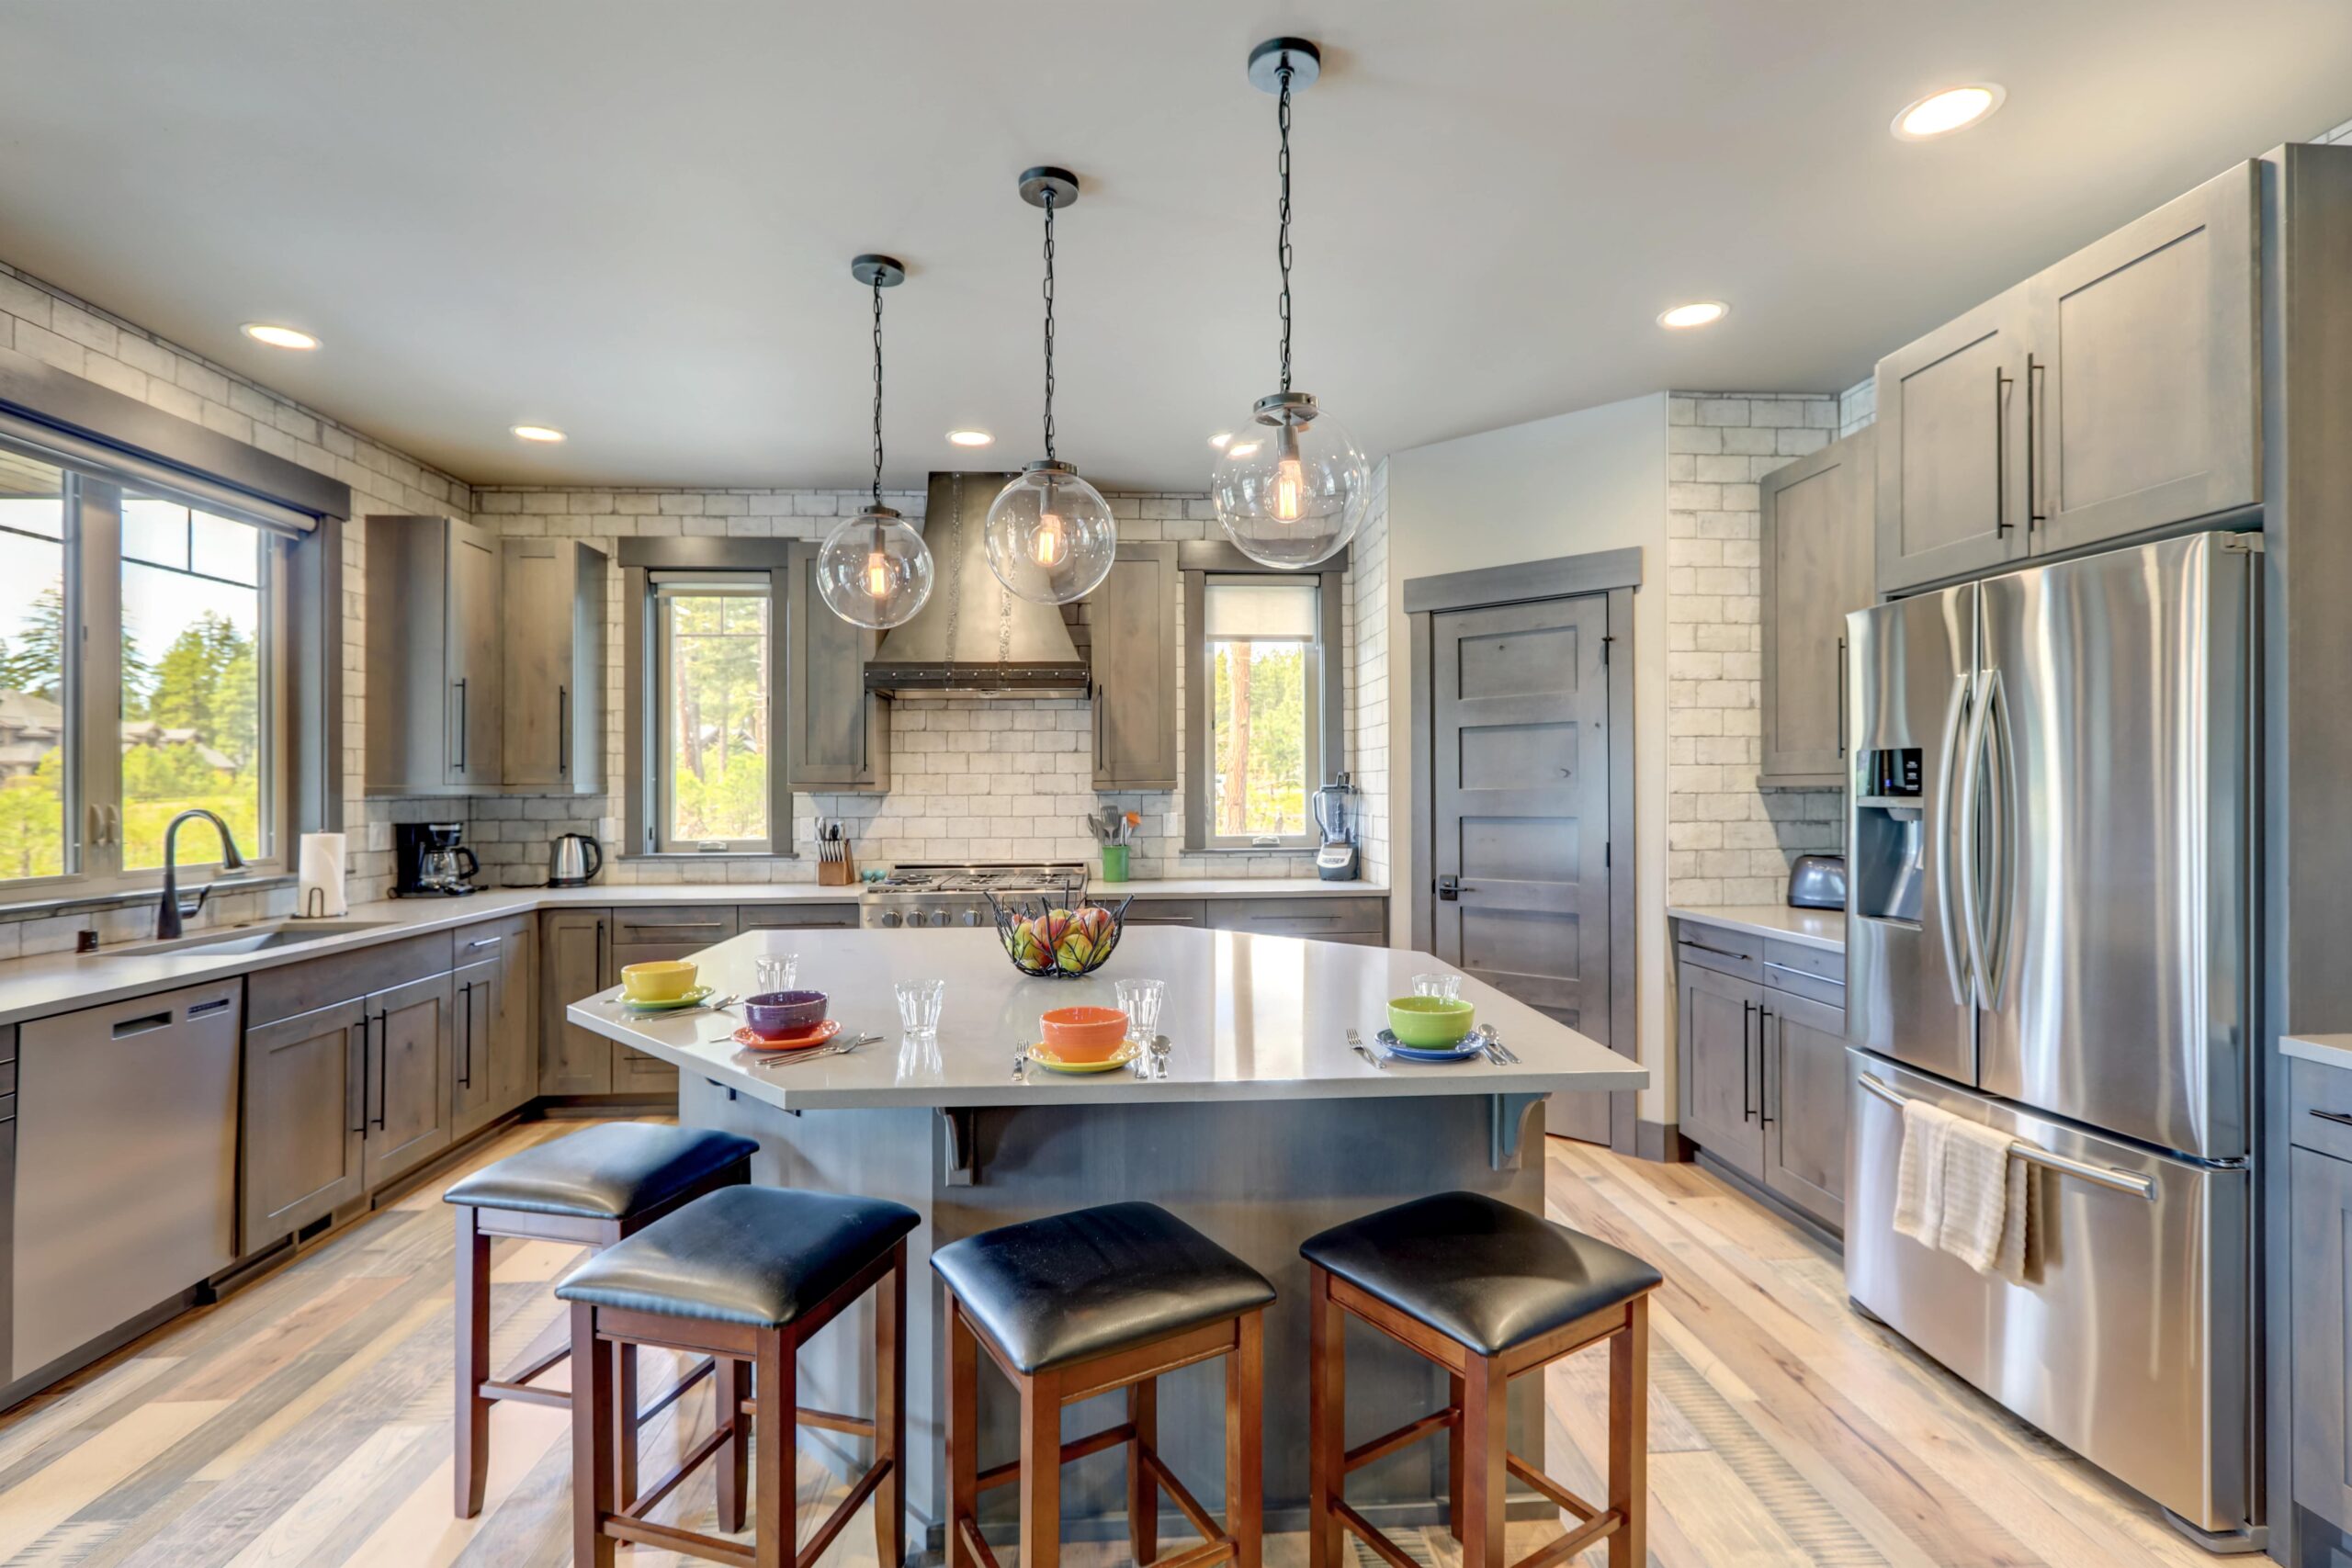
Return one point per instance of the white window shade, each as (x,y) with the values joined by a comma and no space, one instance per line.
(1253,610)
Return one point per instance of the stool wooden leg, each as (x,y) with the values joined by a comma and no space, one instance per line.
(472,1468)
(963,1434)
(1326,1419)
(1245,1435)
(732,1378)
(1629,1413)
(1485,1444)
(1453,1459)
(591,1444)
(774,1448)
(1143,1493)
(890,1412)
(1041,1470)
(624,1423)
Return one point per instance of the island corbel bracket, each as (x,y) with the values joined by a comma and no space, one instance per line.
(1506,1118)
(960,1125)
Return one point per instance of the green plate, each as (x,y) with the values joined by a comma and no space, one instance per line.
(693,998)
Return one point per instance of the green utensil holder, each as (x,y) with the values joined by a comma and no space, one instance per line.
(1114,863)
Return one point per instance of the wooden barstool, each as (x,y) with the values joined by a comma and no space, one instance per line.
(591,1188)
(746,1275)
(1487,1291)
(1080,1304)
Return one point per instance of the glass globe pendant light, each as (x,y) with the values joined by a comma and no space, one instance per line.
(1290,486)
(874,569)
(1050,536)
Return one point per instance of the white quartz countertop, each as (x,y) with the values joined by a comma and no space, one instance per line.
(63,982)
(2328,1050)
(1823,928)
(1249,1018)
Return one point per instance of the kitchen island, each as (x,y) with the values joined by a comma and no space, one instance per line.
(1265,1128)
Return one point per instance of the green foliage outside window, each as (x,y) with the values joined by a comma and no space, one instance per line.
(716,692)
(1260,744)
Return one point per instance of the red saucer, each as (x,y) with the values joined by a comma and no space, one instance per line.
(798,1039)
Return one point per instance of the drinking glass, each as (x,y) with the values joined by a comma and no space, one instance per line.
(1446,986)
(1140,1000)
(774,972)
(919,1004)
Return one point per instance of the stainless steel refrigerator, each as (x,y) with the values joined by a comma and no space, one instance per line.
(2050,931)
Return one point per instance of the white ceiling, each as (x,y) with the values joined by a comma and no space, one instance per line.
(634,221)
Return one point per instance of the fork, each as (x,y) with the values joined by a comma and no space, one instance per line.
(1355,1044)
(1020,1065)
(840,1048)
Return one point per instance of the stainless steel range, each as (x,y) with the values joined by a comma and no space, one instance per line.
(921,894)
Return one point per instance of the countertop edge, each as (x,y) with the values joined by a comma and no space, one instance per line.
(2327,1050)
(1803,927)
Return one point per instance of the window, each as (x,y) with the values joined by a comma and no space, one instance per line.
(172,609)
(1262,708)
(712,711)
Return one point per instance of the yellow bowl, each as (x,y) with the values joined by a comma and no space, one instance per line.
(665,980)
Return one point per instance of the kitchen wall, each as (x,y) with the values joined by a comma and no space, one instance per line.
(970,778)
(1368,616)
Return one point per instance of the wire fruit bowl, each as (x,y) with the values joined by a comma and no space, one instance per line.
(1048,942)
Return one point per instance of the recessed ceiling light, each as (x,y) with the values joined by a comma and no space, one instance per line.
(537,432)
(1954,108)
(1220,438)
(279,337)
(1698,313)
(971,437)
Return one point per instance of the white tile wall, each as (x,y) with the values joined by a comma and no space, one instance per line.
(1368,606)
(1729,841)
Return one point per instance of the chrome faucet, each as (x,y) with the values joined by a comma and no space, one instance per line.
(168,917)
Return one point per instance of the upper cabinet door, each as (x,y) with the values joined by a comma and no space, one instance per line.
(1950,496)
(1816,567)
(837,735)
(2143,387)
(554,632)
(1131,627)
(477,753)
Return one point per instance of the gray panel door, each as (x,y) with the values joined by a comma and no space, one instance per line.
(1804,1097)
(2144,389)
(1520,811)
(306,1081)
(1133,649)
(2323,1328)
(536,617)
(1721,1044)
(573,966)
(1949,422)
(837,734)
(1815,569)
(478,753)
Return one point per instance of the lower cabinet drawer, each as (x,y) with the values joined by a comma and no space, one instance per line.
(1300,917)
(1166,912)
(2319,1107)
(795,916)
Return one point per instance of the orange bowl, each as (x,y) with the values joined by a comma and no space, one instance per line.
(1084,1034)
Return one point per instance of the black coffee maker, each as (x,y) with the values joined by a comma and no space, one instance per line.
(433,860)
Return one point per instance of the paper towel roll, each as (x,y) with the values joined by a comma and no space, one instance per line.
(321,866)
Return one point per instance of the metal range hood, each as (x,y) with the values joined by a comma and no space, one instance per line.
(973,638)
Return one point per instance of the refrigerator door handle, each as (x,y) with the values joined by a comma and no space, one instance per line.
(1972,774)
(1947,759)
(2114,1181)
(1992,963)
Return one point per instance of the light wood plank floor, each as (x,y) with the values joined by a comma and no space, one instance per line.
(306,1420)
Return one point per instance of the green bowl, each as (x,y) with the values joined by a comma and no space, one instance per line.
(1429,1024)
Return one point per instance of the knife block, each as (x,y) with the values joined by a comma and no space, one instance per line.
(839,872)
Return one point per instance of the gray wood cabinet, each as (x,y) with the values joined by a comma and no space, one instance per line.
(515,1009)
(2115,392)
(2321,1326)
(2142,383)
(553,665)
(473,1005)
(1815,569)
(434,655)
(1803,1095)
(837,735)
(1949,500)
(409,1036)
(795,916)
(646,935)
(306,1112)
(1358,921)
(1718,1027)
(1134,651)
(574,947)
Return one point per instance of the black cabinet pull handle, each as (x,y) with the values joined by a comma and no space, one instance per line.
(362,1085)
(1841,696)
(1763,1078)
(562,744)
(1718,952)
(2338,1117)
(2034,515)
(2002,382)
(466,1070)
(1747,1098)
(383,1067)
(461,727)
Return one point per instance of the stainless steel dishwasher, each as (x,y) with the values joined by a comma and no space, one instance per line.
(126,1163)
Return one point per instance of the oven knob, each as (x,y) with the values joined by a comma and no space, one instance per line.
(890,917)
(939,917)
(971,917)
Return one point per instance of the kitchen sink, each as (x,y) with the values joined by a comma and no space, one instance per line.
(259,938)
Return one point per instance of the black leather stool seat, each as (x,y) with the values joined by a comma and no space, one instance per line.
(758,1256)
(1480,1272)
(1071,1287)
(602,1173)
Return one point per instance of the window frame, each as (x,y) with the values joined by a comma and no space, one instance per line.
(92,806)
(1326,683)
(642,562)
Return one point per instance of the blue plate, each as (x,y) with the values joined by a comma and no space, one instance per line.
(1461,1052)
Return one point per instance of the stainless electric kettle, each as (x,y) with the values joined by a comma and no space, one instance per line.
(572,859)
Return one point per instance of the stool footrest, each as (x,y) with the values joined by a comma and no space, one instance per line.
(1403,1437)
(1382,1547)
(842,1510)
(1575,1540)
(1076,1449)
(530,1370)
(1551,1488)
(1220,1549)
(695,1375)
(1186,1504)
(716,1549)
(976,1543)
(560,1399)
(663,1487)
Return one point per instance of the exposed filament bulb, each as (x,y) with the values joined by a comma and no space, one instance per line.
(1052,543)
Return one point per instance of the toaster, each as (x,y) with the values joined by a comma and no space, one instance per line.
(1817,882)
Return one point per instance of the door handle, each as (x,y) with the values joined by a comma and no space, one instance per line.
(1947,762)
(1764,1073)
(1747,1101)
(562,743)
(1841,698)
(2002,382)
(485,941)
(1718,952)
(361,1126)
(466,1060)
(1450,889)
(383,1067)
(2034,515)
(2338,1117)
(461,727)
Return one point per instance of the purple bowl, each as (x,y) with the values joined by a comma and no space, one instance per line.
(776,1013)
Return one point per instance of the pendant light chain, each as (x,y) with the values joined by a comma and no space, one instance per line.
(1049,325)
(877,390)
(1281,241)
